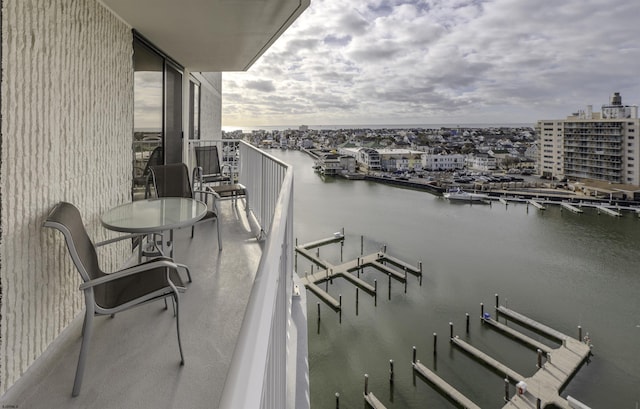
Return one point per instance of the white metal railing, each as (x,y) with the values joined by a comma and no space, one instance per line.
(264,176)
(257,376)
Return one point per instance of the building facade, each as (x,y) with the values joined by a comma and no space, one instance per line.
(589,145)
(435,162)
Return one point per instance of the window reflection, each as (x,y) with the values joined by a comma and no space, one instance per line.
(147,115)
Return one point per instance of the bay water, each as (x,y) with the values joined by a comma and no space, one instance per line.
(562,269)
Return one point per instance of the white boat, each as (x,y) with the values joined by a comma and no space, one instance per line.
(461,195)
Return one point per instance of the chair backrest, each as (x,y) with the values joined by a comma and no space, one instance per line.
(207,158)
(155,159)
(171,180)
(66,218)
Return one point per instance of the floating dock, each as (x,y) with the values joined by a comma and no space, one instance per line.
(571,208)
(328,272)
(444,388)
(539,390)
(608,211)
(373,402)
(537,204)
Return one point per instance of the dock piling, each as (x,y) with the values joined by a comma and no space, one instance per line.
(539,358)
(318,311)
(361,245)
(435,343)
(366,384)
(482,311)
(375,296)
(391,370)
(340,312)
(467,315)
(389,286)
(337,400)
(506,389)
(579,332)
(450,330)
(414,355)
(497,301)
(357,299)
(405,280)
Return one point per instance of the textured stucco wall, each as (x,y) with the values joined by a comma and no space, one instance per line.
(66,131)
(211,105)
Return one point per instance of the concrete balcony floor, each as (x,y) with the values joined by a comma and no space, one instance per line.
(133,360)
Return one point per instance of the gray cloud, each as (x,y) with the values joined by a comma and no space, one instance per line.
(354,61)
(260,85)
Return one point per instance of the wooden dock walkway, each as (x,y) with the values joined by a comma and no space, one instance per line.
(562,363)
(497,366)
(444,388)
(608,211)
(328,271)
(571,208)
(373,402)
(531,324)
(535,345)
(537,204)
(543,388)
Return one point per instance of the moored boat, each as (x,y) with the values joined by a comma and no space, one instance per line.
(461,195)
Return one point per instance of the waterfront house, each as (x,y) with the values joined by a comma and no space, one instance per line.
(71,73)
(481,162)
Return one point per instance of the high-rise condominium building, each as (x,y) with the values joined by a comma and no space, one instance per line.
(593,145)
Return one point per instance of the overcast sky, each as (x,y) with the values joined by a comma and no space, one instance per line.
(440,61)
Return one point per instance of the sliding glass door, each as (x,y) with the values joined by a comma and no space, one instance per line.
(157,135)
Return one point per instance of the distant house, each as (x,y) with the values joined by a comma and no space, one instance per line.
(443,161)
(481,162)
(400,159)
(367,159)
(335,164)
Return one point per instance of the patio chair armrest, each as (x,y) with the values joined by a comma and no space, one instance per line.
(139,268)
(116,239)
(207,192)
(196,177)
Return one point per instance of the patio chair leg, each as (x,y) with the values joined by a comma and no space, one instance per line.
(218,229)
(175,310)
(86,339)
(177,305)
(246,203)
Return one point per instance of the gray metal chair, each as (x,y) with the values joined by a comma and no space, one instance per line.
(173,181)
(108,294)
(142,175)
(208,170)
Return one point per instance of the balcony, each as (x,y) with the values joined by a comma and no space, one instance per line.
(243,325)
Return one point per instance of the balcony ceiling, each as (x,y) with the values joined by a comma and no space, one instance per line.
(210,35)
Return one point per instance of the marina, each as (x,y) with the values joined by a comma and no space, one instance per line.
(541,389)
(568,269)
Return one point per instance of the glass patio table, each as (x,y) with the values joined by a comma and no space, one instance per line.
(154,215)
